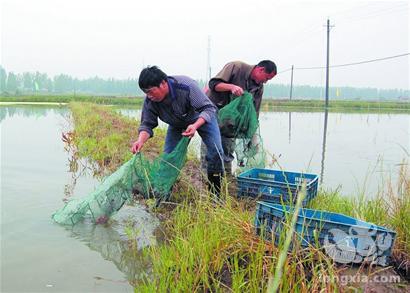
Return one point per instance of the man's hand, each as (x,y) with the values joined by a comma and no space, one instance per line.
(255,142)
(136,146)
(190,131)
(236,90)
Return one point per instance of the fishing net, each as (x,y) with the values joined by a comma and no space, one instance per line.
(148,178)
(239,120)
(250,153)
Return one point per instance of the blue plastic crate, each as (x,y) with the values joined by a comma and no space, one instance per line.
(345,239)
(276,186)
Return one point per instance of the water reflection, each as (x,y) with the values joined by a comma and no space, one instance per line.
(75,174)
(290,126)
(127,232)
(322,164)
(3,113)
(29,111)
(31,243)
(122,239)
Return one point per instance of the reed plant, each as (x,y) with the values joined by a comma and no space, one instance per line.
(212,246)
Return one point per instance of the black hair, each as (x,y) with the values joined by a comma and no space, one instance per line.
(151,76)
(269,66)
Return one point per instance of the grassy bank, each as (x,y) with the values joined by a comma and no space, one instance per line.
(104,137)
(74,98)
(267,104)
(211,245)
(340,104)
(337,105)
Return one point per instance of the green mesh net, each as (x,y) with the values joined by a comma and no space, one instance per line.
(250,153)
(239,120)
(148,178)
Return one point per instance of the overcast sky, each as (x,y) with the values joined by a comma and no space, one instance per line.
(86,38)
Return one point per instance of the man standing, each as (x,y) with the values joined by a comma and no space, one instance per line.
(179,102)
(235,78)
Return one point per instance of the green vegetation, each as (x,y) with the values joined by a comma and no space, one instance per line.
(104,137)
(73,98)
(40,83)
(282,91)
(267,104)
(211,245)
(336,105)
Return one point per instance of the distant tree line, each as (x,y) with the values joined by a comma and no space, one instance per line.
(40,83)
(339,93)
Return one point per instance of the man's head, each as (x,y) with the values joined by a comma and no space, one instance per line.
(263,71)
(153,82)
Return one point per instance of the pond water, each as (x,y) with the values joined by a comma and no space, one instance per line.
(356,153)
(38,255)
(352,152)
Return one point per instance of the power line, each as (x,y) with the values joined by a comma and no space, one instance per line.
(342,65)
(307,34)
(355,63)
(382,12)
(283,71)
(374,60)
(367,11)
(350,10)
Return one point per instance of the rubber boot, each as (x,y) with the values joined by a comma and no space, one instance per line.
(214,183)
(160,198)
(228,167)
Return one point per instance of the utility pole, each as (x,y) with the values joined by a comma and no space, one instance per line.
(208,67)
(327,65)
(291,84)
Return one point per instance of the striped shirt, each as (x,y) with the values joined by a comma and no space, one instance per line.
(183,105)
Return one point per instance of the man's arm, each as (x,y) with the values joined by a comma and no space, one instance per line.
(221,81)
(149,120)
(229,87)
